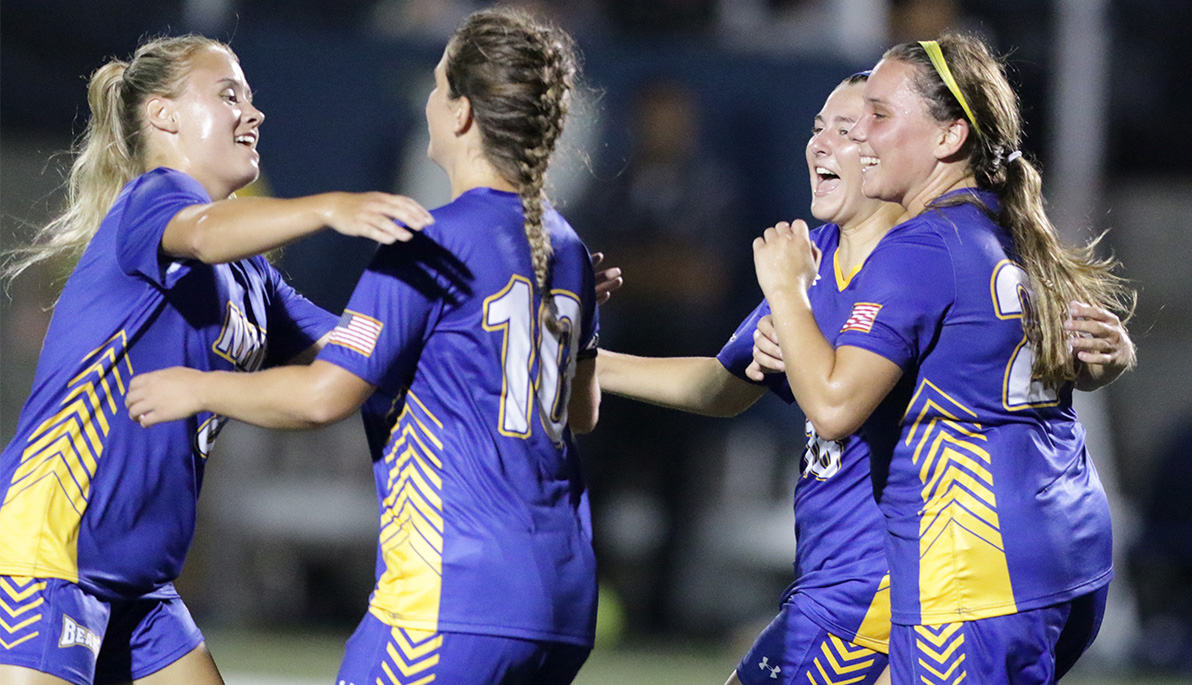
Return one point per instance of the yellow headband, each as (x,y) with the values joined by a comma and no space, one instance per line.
(941,67)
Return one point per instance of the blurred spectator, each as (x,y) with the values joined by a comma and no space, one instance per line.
(668,220)
(1161,561)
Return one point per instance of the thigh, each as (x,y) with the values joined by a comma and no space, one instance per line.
(794,649)
(1018,649)
(377,652)
(148,636)
(51,627)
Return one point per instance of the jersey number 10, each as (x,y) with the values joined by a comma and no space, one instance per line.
(511,311)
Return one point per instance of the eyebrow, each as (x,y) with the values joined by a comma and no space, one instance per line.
(238,83)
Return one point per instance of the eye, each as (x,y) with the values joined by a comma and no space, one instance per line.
(843,132)
(230,96)
(815,130)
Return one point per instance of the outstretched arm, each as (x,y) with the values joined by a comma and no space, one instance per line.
(289,397)
(1099,340)
(696,384)
(237,228)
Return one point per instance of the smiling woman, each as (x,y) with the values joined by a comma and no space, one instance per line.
(98,513)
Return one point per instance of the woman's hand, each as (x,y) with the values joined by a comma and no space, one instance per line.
(784,259)
(607,280)
(767,354)
(165,395)
(374,215)
(1099,339)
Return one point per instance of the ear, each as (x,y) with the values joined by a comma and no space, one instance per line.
(462,107)
(162,114)
(952,138)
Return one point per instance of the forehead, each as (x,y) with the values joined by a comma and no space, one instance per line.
(215,64)
(846,102)
(892,80)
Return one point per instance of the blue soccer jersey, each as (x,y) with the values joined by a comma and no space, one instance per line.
(484,522)
(840,560)
(86,494)
(992,502)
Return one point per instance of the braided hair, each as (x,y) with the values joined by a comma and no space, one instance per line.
(518,75)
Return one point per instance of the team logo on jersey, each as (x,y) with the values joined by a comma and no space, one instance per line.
(356,332)
(207,433)
(241,341)
(862,317)
(774,670)
(822,457)
(77,635)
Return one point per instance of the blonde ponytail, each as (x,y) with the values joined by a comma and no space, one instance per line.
(110,152)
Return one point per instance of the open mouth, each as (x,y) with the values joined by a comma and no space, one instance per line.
(868,163)
(248,140)
(826,180)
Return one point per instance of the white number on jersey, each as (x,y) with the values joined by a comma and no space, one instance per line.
(822,457)
(1011,295)
(510,311)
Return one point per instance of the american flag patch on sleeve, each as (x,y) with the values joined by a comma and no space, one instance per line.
(862,317)
(356,332)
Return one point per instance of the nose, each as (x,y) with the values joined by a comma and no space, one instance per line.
(816,144)
(253,114)
(860,130)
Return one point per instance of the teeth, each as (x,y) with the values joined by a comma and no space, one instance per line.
(245,139)
(868,161)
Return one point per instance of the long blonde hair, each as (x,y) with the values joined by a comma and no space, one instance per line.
(1058,272)
(111,150)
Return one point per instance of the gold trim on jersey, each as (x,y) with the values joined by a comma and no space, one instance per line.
(940,654)
(50,489)
(874,631)
(18,597)
(410,653)
(409,591)
(963,573)
(840,663)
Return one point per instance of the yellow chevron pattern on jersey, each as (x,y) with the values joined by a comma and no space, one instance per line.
(840,663)
(963,574)
(940,654)
(19,598)
(409,591)
(409,657)
(874,631)
(50,488)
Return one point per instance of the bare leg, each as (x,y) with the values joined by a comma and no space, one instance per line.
(196,668)
(733,679)
(18,675)
(884,678)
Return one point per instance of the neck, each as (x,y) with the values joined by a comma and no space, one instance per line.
(859,236)
(948,177)
(471,171)
(178,162)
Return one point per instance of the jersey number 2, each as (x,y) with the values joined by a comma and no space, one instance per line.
(511,311)
(1011,295)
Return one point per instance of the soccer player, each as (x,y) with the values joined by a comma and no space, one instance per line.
(834,619)
(97,514)
(998,528)
(470,352)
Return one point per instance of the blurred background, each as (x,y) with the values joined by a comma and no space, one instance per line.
(685,143)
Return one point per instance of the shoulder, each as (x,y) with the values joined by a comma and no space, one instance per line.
(825,235)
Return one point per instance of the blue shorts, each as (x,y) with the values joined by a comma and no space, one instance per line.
(56,627)
(793,649)
(379,653)
(1027,648)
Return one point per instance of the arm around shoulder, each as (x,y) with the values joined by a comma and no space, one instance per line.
(583,410)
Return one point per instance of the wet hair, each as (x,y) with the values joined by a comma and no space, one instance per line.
(111,150)
(1058,272)
(518,74)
